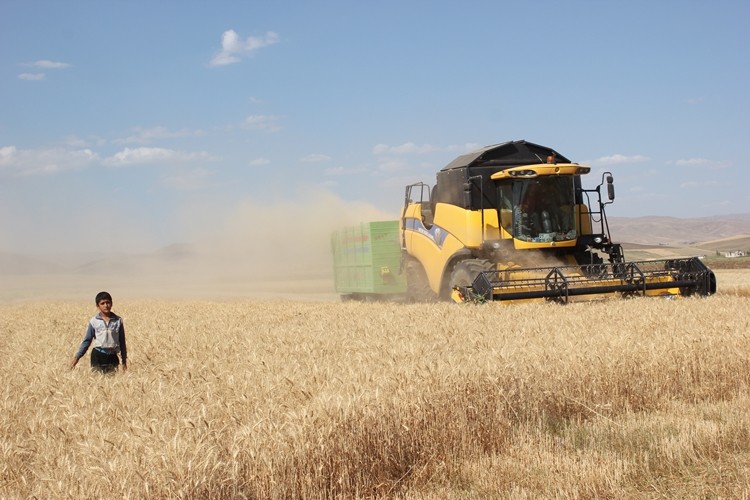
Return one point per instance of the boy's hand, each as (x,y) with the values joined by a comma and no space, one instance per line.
(124,367)
(73,362)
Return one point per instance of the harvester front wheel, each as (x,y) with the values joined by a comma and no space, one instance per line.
(591,264)
(466,271)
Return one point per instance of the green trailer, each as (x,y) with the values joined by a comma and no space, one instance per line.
(367,261)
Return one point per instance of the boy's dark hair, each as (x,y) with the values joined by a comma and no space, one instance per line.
(102,296)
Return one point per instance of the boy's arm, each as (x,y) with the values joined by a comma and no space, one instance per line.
(84,345)
(123,347)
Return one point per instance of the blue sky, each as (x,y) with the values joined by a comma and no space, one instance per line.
(132,125)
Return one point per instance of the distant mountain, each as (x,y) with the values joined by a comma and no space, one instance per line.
(728,244)
(673,231)
(162,260)
(93,263)
(11,263)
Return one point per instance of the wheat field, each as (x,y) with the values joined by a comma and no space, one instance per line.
(261,398)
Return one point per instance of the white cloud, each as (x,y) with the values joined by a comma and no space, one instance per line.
(233,49)
(618,159)
(259,162)
(75,142)
(698,184)
(702,163)
(268,123)
(405,148)
(398,182)
(315,158)
(464,148)
(691,162)
(141,156)
(20,162)
(49,64)
(393,166)
(690,184)
(7,154)
(146,135)
(45,64)
(339,171)
(33,77)
(16,162)
(412,148)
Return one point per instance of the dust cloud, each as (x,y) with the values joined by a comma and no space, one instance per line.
(285,240)
(251,249)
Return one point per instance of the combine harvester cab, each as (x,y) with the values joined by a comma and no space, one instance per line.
(512,222)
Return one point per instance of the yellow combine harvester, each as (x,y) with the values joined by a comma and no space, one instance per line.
(512,222)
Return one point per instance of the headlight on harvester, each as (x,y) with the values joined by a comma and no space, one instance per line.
(522,173)
(598,240)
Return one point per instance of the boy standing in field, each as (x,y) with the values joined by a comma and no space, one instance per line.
(107,332)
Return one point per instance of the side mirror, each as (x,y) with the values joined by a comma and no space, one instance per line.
(467,194)
(610,188)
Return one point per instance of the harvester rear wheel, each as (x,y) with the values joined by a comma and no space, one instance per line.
(466,271)
(417,286)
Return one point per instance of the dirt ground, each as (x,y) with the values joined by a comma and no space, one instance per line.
(726,263)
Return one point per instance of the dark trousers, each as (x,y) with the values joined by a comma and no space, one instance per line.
(104,362)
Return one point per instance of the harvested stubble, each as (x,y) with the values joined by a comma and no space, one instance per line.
(283,399)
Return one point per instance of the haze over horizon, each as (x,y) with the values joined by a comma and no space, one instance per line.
(130,126)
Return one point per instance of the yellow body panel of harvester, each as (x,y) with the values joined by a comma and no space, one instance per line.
(433,245)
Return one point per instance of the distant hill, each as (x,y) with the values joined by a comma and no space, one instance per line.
(673,231)
(728,244)
(11,263)
(90,263)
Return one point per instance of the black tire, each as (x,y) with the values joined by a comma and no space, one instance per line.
(465,272)
(592,265)
(417,286)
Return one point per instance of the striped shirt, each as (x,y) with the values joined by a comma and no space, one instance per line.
(107,336)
